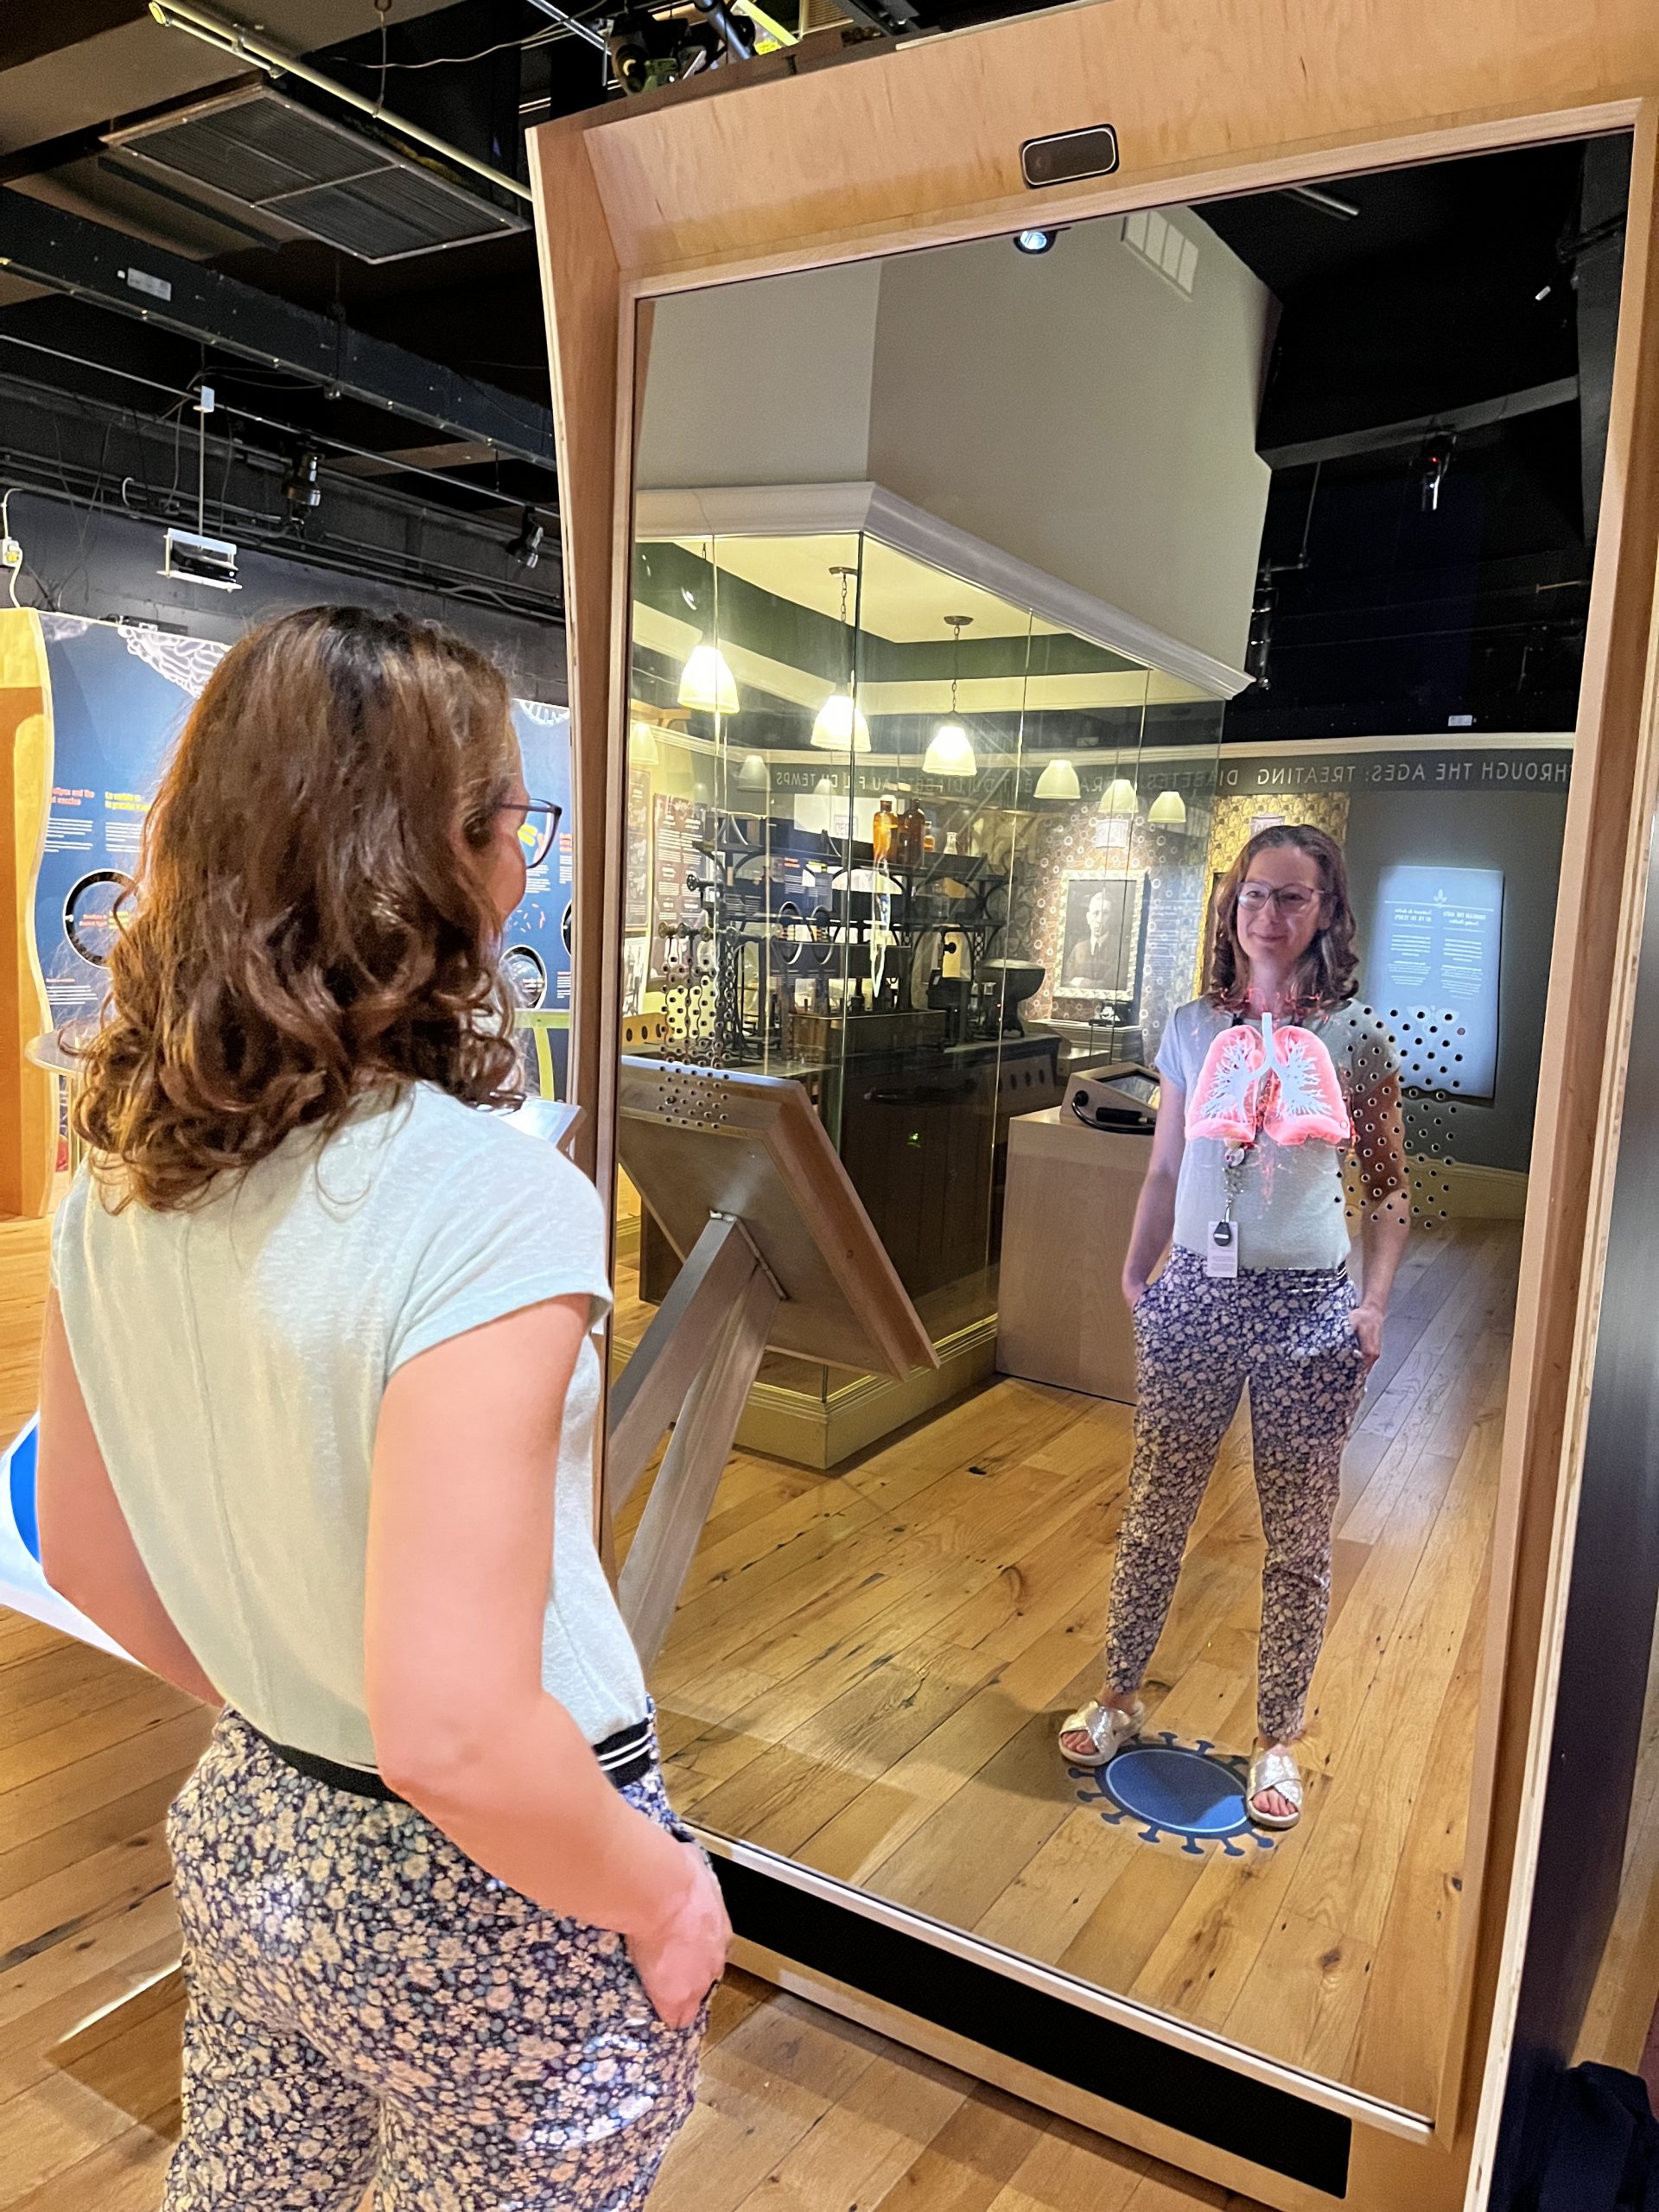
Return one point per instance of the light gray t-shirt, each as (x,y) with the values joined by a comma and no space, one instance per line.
(233,1357)
(1308,1088)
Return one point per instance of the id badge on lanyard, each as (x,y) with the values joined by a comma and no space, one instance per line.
(1221,1240)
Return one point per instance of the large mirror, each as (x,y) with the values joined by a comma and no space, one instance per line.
(1014,625)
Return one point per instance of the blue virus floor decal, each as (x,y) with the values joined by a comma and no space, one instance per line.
(1191,1791)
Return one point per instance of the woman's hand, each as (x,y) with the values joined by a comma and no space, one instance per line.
(1366,1322)
(1134,1289)
(681,1958)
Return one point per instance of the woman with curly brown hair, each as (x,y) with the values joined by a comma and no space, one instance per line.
(316,1444)
(1269,1083)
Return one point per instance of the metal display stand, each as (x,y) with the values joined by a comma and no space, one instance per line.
(778,1255)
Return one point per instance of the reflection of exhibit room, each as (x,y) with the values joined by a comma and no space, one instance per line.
(902,1587)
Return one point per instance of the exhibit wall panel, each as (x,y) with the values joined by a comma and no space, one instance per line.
(791,164)
(1518,834)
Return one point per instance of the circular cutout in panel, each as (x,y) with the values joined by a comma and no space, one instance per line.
(526,975)
(89,913)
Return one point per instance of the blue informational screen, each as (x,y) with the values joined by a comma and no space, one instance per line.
(119,697)
(1433,975)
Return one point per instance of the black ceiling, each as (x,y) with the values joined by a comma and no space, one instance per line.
(1455,293)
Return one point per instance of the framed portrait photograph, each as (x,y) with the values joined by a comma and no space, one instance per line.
(1099,951)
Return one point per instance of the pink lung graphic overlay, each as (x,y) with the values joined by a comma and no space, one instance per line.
(1281,1082)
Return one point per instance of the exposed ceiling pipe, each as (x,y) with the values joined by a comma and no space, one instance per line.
(572,23)
(219,31)
(1313,196)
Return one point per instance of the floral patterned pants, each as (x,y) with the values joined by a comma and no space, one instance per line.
(368,2004)
(1286,1333)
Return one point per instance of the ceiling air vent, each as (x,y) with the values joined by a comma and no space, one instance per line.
(307,174)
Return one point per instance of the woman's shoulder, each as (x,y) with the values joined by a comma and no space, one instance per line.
(1197,1016)
(470,1155)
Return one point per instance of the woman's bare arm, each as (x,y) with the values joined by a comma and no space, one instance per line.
(460,1547)
(87,1552)
(1154,1212)
(1385,1174)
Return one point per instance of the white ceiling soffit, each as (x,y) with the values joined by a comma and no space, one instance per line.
(993,694)
(825,509)
(894,596)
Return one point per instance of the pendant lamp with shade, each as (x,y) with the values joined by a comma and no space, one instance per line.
(840,727)
(1058,780)
(642,745)
(706,682)
(1119,797)
(952,752)
(1168,811)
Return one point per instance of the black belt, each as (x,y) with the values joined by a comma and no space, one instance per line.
(626,1756)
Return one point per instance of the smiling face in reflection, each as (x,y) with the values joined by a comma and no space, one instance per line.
(1281,904)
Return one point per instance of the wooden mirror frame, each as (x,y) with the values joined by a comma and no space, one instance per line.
(851,151)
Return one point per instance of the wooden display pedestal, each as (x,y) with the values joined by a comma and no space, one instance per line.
(1065,1228)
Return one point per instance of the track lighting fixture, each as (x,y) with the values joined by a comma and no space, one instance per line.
(300,486)
(526,547)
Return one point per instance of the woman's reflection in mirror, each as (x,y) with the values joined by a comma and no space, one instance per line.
(1272,1082)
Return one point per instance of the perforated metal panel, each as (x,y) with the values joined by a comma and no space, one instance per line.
(311,174)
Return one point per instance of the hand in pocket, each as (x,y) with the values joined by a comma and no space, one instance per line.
(1367,1325)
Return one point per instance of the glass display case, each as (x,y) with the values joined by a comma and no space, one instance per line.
(920,849)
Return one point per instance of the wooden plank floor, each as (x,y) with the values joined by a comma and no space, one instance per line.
(796,2111)
(867,1670)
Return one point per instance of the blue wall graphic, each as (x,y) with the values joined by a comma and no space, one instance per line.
(119,697)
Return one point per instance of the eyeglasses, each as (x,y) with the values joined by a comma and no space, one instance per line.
(1295,899)
(537,826)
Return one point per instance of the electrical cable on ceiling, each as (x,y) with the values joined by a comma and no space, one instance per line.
(383,8)
(449,60)
(342,555)
(174,500)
